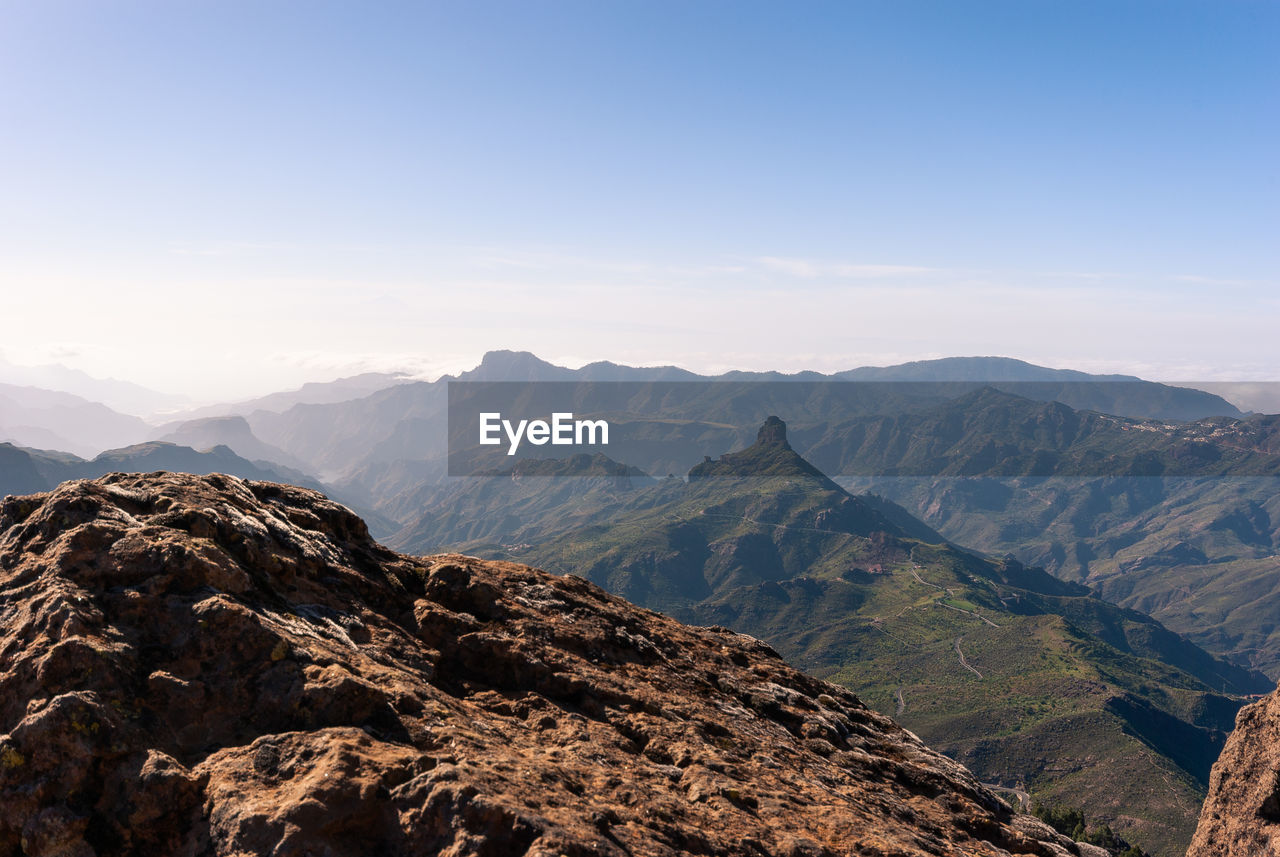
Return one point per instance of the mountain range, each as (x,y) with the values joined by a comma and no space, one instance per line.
(311,393)
(1153,496)
(206,665)
(1032,682)
(121,396)
(316,421)
(24,471)
(48,419)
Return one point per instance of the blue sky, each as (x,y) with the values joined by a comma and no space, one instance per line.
(267,192)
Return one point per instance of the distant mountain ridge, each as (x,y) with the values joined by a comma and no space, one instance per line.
(504,365)
(311,393)
(989,432)
(324,439)
(26,470)
(357,443)
(35,416)
(987,368)
(123,396)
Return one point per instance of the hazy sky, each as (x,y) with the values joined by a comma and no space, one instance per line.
(223,198)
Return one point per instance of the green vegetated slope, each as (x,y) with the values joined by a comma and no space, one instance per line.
(1040,700)
(1180,520)
(1202,555)
(1030,680)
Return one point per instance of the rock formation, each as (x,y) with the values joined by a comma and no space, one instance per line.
(1241,816)
(770,456)
(773,433)
(210,666)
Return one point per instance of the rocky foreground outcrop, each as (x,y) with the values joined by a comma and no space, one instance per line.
(1241,816)
(203,665)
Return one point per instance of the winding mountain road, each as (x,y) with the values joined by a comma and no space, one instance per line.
(963,662)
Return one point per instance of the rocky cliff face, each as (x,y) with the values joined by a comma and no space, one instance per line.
(1241,816)
(209,666)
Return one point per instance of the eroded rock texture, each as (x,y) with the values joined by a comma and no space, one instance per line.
(1241,816)
(202,665)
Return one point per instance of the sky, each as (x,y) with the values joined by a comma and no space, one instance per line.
(219,199)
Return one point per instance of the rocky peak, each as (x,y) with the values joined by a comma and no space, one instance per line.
(773,433)
(770,456)
(506,365)
(199,665)
(1241,815)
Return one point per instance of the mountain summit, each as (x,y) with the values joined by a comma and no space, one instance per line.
(200,665)
(773,433)
(770,456)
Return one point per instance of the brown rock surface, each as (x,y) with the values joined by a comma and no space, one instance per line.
(1241,815)
(207,666)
